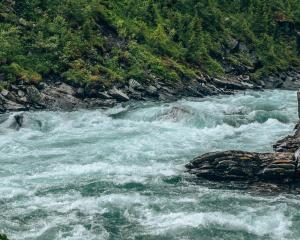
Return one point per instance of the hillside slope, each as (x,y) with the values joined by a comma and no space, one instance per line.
(105,43)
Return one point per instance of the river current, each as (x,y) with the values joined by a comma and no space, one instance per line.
(119,173)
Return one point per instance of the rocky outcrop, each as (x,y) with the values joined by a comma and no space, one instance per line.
(290,143)
(62,96)
(281,168)
(239,165)
(56,95)
(289,80)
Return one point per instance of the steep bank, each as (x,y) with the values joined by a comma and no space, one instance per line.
(171,48)
(58,95)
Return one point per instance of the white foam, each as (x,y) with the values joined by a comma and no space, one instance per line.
(274,225)
(145,146)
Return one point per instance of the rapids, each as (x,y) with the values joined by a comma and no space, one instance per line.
(119,173)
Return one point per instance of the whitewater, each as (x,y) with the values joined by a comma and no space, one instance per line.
(119,173)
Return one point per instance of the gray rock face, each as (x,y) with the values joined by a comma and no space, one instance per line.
(67,89)
(55,99)
(34,95)
(224,83)
(239,165)
(13,106)
(151,90)
(104,95)
(135,85)
(21,93)
(287,80)
(4,92)
(281,168)
(290,143)
(119,95)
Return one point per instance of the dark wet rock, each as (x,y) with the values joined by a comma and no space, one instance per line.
(289,80)
(118,95)
(67,89)
(4,92)
(100,103)
(54,94)
(34,95)
(21,93)
(225,83)
(239,165)
(18,121)
(152,91)
(279,170)
(290,143)
(104,95)
(137,95)
(80,92)
(135,85)
(55,99)
(166,97)
(42,85)
(13,106)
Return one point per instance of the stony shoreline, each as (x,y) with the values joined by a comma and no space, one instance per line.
(58,95)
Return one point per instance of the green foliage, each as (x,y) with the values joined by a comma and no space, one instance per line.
(3,237)
(114,40)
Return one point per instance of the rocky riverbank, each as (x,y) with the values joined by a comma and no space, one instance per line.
(57,95)
(260,171)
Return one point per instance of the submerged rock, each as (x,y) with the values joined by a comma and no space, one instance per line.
(18,121)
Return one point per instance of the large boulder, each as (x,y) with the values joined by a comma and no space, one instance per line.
(290,143)
(66,89)
(34,95)
(118,95)
(55,99)
(135,85)
(239,165)
(13,106)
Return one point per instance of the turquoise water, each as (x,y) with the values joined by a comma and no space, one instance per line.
(119,173)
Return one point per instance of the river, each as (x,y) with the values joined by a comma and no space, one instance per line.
(119,173)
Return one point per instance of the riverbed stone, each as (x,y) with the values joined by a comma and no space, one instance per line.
(67,89)
(118,95)
(135,85)
(4,92)
(34,95)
